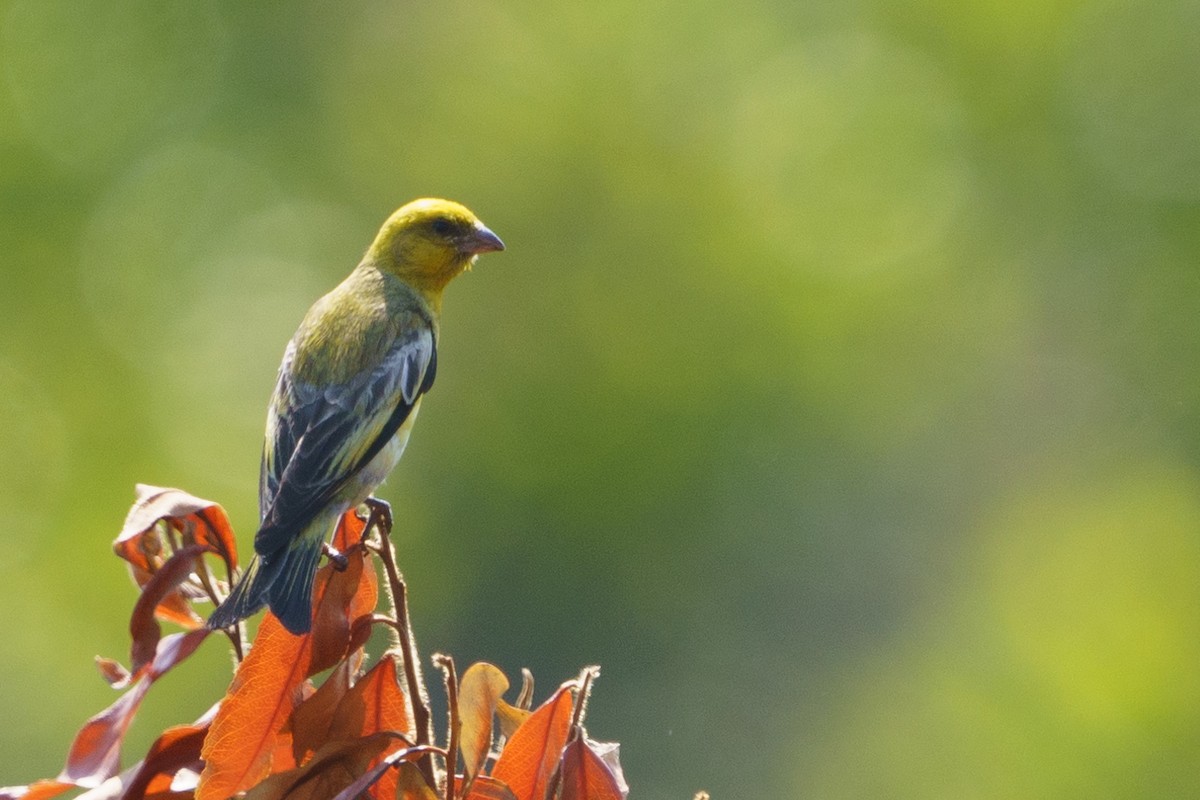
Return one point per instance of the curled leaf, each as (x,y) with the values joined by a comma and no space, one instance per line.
(331,769)
(197,521)
(113,672)
(588,771)
(510,717)
(165,521)
(478,693)
(143,627)
(95,754)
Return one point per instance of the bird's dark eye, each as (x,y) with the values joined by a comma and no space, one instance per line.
(442,226)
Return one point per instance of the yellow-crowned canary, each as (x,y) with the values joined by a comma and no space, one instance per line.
(349,388)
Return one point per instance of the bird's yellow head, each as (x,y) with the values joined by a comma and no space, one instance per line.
(429,242)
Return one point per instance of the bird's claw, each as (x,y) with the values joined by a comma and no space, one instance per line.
(380,514)
(339,560)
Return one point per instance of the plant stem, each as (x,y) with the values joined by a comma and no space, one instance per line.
(381,519)
(451,678)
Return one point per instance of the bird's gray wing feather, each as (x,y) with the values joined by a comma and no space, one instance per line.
(323,435)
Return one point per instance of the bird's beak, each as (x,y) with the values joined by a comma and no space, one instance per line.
(481,240)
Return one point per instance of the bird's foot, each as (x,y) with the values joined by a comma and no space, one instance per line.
(380,515)
(339,560)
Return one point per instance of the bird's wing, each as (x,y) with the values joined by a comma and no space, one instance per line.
(319,437)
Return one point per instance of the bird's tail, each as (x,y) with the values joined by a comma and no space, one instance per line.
(284,581)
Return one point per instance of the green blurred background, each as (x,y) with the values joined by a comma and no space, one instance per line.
(837,392)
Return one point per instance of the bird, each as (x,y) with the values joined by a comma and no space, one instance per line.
(348,391)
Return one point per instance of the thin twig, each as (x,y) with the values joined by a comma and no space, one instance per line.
(583,688)
(585,679)
(208,581)
(525,698)
(446,664)
(381,519)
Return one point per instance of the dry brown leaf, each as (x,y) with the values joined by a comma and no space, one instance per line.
(478,693)
(331,769)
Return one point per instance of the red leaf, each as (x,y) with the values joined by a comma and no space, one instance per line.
(199,521)
(266,688)
(352,593)
(374,704)
(585,775)
(533,752)
(175,648)
(349,533)
(143,627)
(95,754)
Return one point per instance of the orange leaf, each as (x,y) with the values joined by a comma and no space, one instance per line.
(586,775)
(266,688)
(533,752)
(199,521)
(96,751)
(237,751)
(331,769)
(352,593)
(349,533)
(191,521)
(311,719)
(374,704)
(478,692)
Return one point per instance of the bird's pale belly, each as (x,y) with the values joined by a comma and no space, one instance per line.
(378,468)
